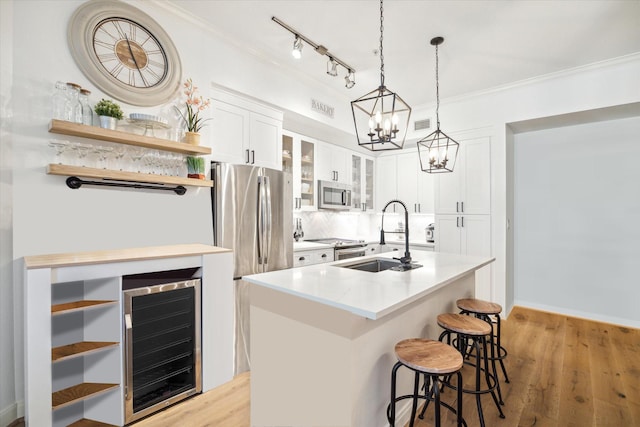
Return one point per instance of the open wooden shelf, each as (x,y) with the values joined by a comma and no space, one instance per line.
(71,395)
(69,351)
(94,132)
(84,172)
(69,307)
(85,422)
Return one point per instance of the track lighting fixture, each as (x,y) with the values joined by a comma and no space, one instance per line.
(332,64)
(350,79)
(332,67)
(437,151)
(297,48)
(381,117)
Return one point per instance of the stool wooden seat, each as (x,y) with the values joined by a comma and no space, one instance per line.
(479,306)
(473,337)
(464,324)
(429,356)
(430,359)
(486,310)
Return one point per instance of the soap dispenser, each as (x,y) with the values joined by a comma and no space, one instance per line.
(298,233)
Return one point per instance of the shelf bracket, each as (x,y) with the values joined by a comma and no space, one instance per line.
(74,182)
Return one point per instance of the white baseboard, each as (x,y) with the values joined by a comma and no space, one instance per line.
(631,323)
(9,414)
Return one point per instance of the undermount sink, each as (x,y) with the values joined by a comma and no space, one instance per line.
(377,265)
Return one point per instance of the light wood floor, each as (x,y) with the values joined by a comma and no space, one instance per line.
(564,372)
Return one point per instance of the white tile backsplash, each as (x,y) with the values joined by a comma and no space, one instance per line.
(358,225)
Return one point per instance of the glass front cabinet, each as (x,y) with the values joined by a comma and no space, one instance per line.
(362,178)
(298,159)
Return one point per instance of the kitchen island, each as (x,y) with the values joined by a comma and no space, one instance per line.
(323,336)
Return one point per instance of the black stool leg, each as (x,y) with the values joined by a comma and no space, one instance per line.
(459,408)
(488,376)
(500,349)
(414,406)
(391,413)
(478,401)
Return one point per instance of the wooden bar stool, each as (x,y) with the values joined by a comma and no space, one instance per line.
(489,312)
(431,359)
(471,336)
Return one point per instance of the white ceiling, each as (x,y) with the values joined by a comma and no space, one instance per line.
(487,43)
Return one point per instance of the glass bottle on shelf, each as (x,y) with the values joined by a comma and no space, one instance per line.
(87,112)
(73,109)
(59,101)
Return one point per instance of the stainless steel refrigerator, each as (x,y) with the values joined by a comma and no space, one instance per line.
(252,215)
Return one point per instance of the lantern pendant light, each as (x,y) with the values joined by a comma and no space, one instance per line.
(437,151)
(381,117)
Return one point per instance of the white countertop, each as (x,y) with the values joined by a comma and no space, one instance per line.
(308,246)
(371,295)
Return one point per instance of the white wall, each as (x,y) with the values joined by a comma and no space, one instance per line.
(577,233)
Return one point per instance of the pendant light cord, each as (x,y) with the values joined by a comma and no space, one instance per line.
(381,54)
(437,92)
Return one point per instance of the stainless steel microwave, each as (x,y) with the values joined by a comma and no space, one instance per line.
(334,195)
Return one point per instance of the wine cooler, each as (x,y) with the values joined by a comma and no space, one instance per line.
(162,333)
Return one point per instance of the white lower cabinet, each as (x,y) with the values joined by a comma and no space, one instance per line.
(314,256)
(467,235)
(400,247)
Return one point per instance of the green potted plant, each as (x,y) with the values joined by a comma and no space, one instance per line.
(195,167)
(109,113)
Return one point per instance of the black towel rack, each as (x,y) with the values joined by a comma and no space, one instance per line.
(75,183)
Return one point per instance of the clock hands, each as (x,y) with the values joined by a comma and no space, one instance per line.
(134,61)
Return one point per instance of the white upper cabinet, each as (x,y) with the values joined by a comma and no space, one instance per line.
(245,132)
(298,159)
(468,189)
(399,177)
(332,163)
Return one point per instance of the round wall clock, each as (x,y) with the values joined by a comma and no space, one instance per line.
(124,52)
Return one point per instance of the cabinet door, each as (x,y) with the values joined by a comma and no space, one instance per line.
(425,193)
(476,240)
(356,182)
(230,129)
(266,142)
(476,191)
(323,166)
(305,162)
(447,189)
(447,234)
(368,183)
(386,178)
(407,184)
(340,161)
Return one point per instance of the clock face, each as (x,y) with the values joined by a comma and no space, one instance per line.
(124,52)
(129,52)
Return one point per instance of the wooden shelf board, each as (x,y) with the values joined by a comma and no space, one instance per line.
(94,132)
(77,349)
(71,395)
(69,307)
(85,422)
(84,172)
(305,179)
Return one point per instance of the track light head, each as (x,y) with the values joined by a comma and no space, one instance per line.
(297,48)
(350,79)
(332,67)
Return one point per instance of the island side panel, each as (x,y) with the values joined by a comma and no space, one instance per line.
(315,365)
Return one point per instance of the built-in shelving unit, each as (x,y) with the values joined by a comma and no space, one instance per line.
(93,132)
(124,178)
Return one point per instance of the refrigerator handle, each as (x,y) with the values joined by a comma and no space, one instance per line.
(260,219)
(268,219)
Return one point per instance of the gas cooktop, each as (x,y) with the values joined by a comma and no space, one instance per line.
(338,243)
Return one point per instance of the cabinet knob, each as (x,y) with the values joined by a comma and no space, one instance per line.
(324,255)
(301,258)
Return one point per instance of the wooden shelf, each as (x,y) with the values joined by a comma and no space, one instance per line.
(85,422)
(77,393)
(69,307)
(94,132)
(81,171)
(77,349)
